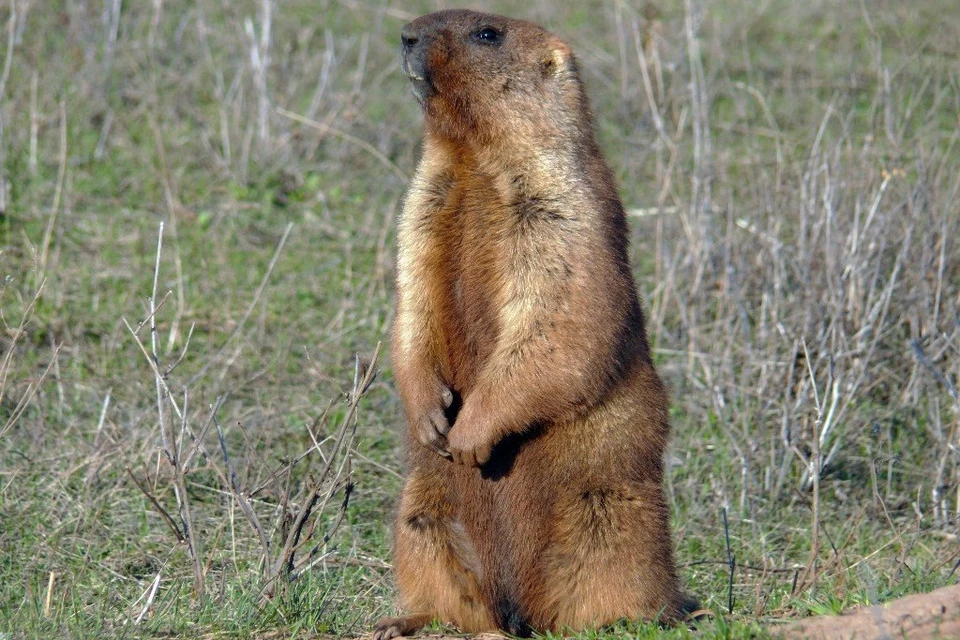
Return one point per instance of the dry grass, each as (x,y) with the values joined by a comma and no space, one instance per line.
(166,462)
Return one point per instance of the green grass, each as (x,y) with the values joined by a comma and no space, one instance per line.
(818,211)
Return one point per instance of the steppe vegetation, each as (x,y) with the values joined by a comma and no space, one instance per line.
(198,434)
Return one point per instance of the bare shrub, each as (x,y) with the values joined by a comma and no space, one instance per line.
(295,531)
(805,293)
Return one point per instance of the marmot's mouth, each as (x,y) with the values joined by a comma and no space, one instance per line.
(422,88)
(419,79)
(421,85)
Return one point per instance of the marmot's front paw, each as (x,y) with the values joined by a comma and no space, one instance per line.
(432,427)
(431,430)
(469,442)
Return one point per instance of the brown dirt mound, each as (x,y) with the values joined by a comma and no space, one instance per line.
(926,615)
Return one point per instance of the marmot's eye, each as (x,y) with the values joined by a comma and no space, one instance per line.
(487,35)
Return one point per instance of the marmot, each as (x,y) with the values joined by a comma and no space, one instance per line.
(534,500)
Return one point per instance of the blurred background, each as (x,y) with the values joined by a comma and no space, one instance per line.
(192,437)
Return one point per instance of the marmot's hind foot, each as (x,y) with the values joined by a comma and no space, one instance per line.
(389,628)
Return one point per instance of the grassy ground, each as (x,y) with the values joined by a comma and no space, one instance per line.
(793,170)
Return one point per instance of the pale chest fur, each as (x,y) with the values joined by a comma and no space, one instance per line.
(488,256)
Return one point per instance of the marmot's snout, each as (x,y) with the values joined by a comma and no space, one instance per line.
(413,60)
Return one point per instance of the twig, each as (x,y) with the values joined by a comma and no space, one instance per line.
(183,352)
(153,312)
(954,570)
(358,391)
(377,465)
(196,441)
(34,123)
(285,557)
(47,601)
(815,461)
(285,563)
(260,62)
(288,465)
(158,376)
(8,61)
(113,30)
(173,212)
(170,448)
(27,397)
(731,561)
(309,563)
(363,144)
(932,368)
(103,417)
(17,334)
(55,207)
(161,377)
(237,491)
(748,567)
(243,321)
(167,518)
(648,89)
(298,573)
(150,596)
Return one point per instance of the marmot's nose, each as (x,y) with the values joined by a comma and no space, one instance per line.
(409,36)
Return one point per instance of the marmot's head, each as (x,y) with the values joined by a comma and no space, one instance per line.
(487,78)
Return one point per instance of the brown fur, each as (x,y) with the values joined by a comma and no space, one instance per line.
(518,323)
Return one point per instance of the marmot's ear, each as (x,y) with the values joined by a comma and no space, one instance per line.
(557,59)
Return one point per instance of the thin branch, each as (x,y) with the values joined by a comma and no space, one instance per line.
(248,511)
(8,61)
(243,321)
(57,194)
(288,465)
(363,144)
(27,397)
(154,587)
(731,561)
(167,518)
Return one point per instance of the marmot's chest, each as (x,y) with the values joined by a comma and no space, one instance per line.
(478,250)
